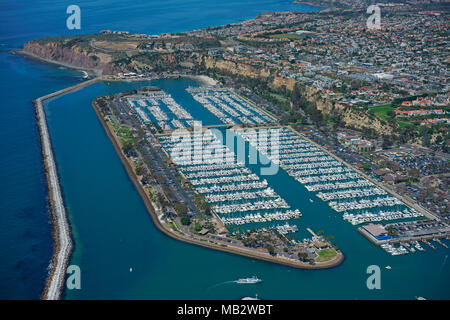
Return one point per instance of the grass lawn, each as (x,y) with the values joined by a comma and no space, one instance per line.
(326,254)
(381,111)
(279,97)
(286,36)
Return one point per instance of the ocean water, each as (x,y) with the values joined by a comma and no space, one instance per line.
(111,227)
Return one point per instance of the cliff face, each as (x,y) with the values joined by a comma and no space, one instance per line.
(249,71)
(236,68)
(103,63)
(73,56)
(352,118)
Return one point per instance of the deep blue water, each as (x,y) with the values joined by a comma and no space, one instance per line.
(25,233)
(111,227)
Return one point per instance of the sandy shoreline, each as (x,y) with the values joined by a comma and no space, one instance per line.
(202,79)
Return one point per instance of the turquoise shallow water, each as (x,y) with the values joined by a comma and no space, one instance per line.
(113,231)
(111,227)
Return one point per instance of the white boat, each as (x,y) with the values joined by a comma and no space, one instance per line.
(251,280)
(388,267)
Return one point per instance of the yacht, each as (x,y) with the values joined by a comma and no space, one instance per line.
(251,280)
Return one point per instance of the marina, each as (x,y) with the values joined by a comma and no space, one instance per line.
(407,235)
(359,200)
(158,109)
(344,190)
(112,205)
(235,194)
(228,107)
(318,216)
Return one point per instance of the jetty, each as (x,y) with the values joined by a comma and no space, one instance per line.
(61,230)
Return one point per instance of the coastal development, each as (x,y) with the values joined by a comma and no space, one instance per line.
(197,189)
(349,114)
(332,180)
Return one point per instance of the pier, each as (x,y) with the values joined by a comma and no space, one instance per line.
(441,243)
(429,244)
(404,240)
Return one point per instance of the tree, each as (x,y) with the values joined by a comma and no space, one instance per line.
(414,172)
(298,100)
(314,113)
(127,147)
(391,231)
(181,208)
(271,250)
(302,255)
(390,113)
(386,142)
(140,170)
(185,220)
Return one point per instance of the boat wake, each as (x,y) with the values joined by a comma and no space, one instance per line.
(445,261)
(220,284)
